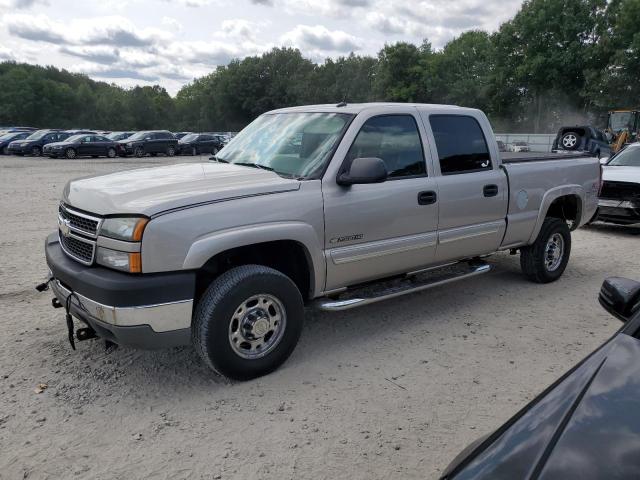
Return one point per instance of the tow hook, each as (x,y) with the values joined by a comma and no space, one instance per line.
(85,333)
(55,303)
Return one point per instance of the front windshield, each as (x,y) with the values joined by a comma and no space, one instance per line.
(37,135)
(117,136)
(188,138)
(629,157)
(138,136)
(619,121)
(290,144)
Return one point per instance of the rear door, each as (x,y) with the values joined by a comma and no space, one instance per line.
(377,230)
(472,190)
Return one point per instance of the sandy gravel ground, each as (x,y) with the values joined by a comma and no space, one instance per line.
(393,390)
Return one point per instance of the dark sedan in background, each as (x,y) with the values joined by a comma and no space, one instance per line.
(82,146)
(149,142)
(585,426)
(33,144)
(7,138)
(198,143)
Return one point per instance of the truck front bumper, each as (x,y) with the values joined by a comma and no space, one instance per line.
(143,311)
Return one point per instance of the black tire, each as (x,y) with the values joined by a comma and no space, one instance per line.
(194,151)
(535,260)
(5,151)
(171,151)
(111,153)
(139,152)
(214,319)
(70,153)
(215,150)
(36,151)
(570,141)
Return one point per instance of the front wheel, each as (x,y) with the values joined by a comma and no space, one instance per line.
(139,152)
(546,260)
(171,151)
(111,153)
(36,151)
(70,153)
(5,151)
(248,322)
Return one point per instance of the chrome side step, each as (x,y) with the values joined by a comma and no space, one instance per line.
(377,292)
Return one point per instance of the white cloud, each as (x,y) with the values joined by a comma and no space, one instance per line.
(320,38)
(172,23)
(22,4)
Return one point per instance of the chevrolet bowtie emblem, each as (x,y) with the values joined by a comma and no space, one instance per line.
(64,227)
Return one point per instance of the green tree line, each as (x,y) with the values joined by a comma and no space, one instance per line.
(555,62)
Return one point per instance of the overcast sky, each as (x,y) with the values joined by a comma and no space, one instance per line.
(170,42)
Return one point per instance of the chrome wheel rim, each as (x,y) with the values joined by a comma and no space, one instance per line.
(257,326)
(554,252)
(569,141)
(71,153)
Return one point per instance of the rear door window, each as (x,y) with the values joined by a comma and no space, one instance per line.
(462,147)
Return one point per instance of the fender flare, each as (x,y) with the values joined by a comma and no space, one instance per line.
(552,195)
(212,244)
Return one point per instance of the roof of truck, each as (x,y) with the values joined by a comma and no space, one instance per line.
(355,108)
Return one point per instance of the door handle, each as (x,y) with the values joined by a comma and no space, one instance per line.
(427,198)
(490,190)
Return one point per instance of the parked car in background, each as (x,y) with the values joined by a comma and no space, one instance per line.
(5,130)
(583,137)
(7,138)
(82,146)
(78,131)
(519,147)
(198,143)
(117,136)
(502,147)
(180,135)
(150,142)
(584,426)
(33,144)
(620,194)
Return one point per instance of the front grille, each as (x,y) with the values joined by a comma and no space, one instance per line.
(620,190)
(79,221)
(78,248)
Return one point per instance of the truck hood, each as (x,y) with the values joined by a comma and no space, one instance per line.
(621,174)
(150,191)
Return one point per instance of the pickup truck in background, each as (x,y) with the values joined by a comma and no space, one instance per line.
(334,206)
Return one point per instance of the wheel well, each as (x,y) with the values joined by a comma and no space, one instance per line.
(286,256)
(567,208)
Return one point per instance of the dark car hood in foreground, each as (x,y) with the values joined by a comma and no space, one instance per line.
(586,426)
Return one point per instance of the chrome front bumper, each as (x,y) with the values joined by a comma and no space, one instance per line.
(160,317)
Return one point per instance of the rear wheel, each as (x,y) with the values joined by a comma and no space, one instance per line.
(194,151)
(546,260)
(248,322)
(5,151)
(570,141)
(70,153)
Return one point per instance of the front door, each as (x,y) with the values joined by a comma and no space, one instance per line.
(473,191)
(387,228)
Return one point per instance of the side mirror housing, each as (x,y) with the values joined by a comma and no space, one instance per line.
(620,297)
(362,171)
(604,160)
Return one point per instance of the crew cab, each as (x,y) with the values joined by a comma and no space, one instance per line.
(305,206)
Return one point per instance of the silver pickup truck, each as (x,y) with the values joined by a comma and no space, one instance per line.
(332,206)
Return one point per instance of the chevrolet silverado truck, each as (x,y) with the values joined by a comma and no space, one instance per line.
(330,206)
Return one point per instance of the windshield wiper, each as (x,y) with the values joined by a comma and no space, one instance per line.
(254,165)
(218,159)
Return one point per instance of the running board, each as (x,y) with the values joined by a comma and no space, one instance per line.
(377,292)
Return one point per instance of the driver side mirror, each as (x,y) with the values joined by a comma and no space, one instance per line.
(362,171)
(620,297)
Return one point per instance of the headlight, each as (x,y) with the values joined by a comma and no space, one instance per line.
(124,228)
(129,145)
(125,261)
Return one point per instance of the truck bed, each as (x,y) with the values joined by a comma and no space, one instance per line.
(519,157)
